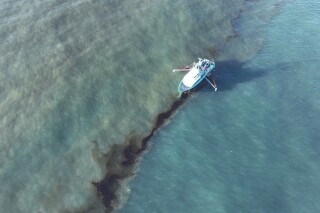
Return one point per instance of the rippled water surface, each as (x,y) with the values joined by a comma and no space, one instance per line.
(254,145)
(78,76)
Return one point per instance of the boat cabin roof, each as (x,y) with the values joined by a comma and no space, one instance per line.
(192,77)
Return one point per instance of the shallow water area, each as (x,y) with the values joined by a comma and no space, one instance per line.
(79,76)
(253,145)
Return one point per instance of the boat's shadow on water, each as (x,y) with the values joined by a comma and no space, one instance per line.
(229,74)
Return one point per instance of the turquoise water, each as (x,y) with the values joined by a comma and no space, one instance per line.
(78,76)
(254,145)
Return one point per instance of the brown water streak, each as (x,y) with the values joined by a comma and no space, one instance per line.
(122,158)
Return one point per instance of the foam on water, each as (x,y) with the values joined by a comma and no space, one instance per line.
(253,146)
(76,72)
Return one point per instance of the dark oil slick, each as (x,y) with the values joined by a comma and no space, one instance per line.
(122,158)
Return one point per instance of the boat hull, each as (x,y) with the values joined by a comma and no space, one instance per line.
(183,88)
(195,75)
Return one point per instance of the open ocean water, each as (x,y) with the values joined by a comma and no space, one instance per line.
(77,76)
(254,146)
